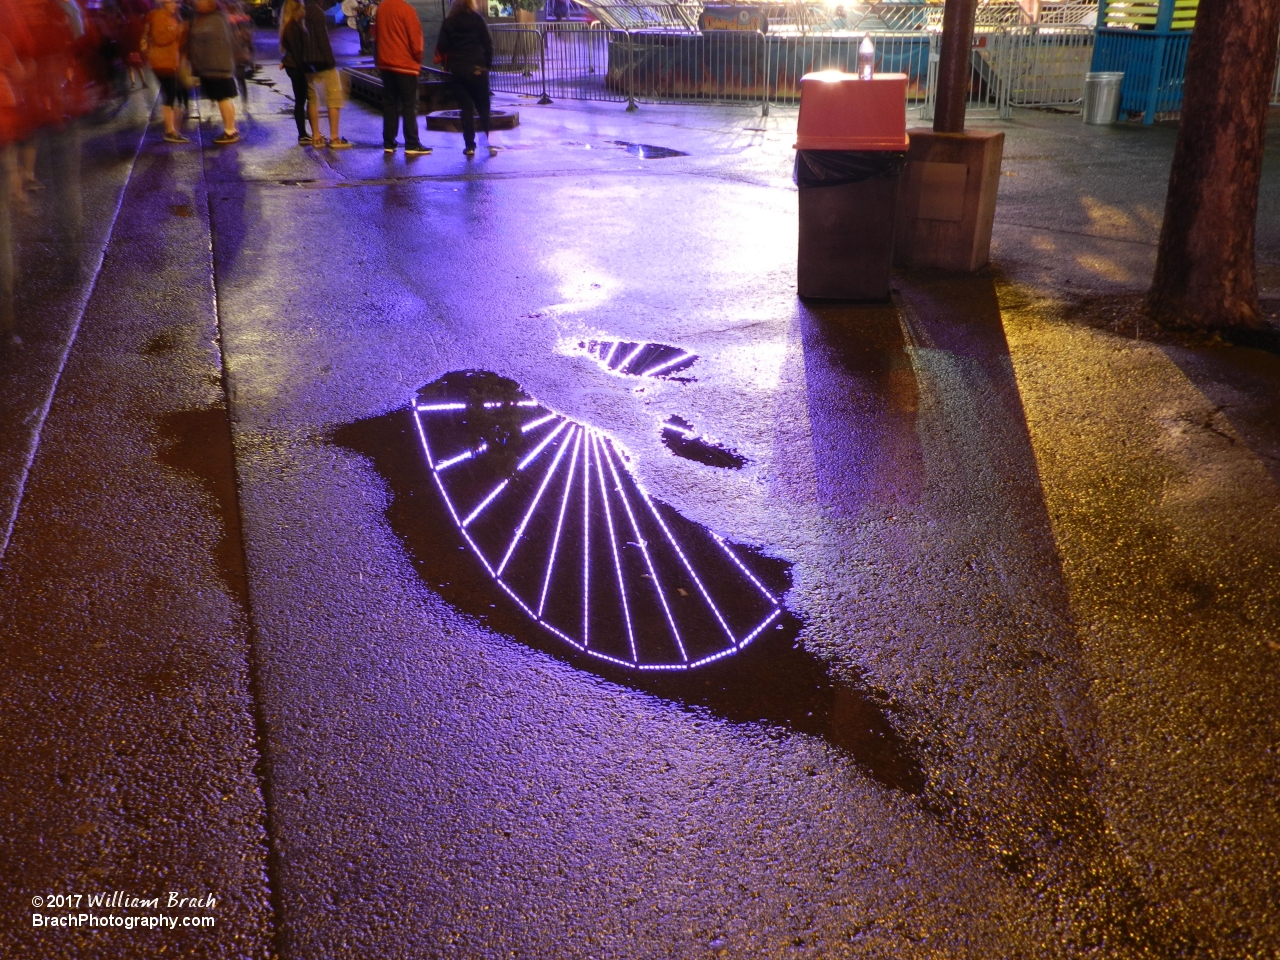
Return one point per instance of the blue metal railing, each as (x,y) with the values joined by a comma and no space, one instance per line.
(1150,51)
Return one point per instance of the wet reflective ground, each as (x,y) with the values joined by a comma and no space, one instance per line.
(262,638)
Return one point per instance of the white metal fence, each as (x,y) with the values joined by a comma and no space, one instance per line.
(1034,65)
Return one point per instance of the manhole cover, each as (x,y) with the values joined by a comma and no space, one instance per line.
(647,151)
(450,121)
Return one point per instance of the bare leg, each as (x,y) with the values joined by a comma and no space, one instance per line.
(168,114)
(334,113)
(228,110)
(313,114)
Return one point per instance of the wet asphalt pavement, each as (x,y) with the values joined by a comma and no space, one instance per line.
(1019,696)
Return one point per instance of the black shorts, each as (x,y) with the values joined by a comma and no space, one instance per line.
(168,88)
(218,88)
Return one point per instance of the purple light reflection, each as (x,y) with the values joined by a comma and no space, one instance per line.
(684,598)
(630,358)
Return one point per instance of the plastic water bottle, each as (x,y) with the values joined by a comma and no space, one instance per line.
(866,58)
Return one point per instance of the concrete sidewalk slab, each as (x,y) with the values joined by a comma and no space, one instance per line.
(130,759)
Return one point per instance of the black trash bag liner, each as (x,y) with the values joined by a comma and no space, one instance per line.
(834,168)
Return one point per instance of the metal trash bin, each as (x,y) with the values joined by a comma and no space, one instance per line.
(851,147)
(1102,97)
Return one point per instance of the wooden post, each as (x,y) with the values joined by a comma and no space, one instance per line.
(954,66)
(947,203)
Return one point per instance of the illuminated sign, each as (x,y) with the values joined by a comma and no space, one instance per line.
(727,17)
(556,516)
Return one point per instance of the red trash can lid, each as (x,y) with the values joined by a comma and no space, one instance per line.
(838,111)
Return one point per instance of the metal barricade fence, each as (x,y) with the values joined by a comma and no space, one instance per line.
(1046,65)
(581,62)
(791,57)
(568,61)
(1025,66)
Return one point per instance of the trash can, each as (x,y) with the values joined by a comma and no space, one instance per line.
(1102,97)
(851,148)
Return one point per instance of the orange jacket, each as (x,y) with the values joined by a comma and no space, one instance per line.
(399,38)
(166,36)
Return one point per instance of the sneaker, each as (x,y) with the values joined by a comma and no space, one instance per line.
(226,138)
(175,138)
(469,152)
(304,141)
(417,151)
(342,143)
(390,148)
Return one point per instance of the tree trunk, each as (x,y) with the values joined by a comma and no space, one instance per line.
(1204,275)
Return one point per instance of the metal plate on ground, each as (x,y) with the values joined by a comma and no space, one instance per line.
(450,121)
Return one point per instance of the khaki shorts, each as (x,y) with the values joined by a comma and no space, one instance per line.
(330,82)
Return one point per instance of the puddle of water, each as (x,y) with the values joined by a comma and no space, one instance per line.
(647,151)
(553,512)
(631,359)
(545,554)
(198,444)
(681,439)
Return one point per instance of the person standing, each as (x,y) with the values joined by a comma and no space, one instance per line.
(243,47)
(164,41)
(293,46)
(399,58)
(466,50)
(322,74)
(212,54)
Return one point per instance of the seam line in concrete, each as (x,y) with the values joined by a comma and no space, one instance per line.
(263,768)
(29,460)
(1076,233)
